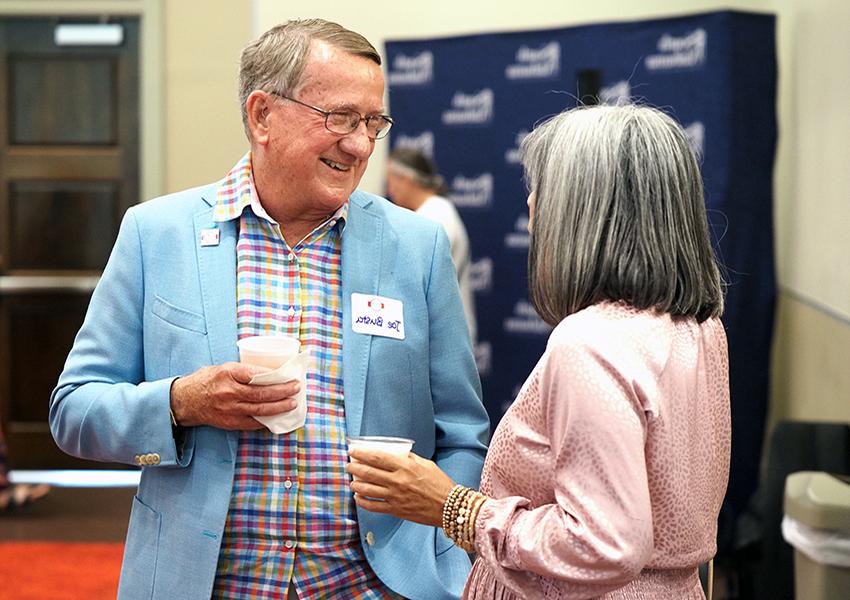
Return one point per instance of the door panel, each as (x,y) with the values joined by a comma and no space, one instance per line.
(62,100)
(68,171)
(62,225)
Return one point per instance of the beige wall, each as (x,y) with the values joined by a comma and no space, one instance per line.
(203,129)
(811,367)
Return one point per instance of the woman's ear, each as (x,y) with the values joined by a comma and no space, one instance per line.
(257,109)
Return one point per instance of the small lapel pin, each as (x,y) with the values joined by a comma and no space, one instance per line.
(209,237)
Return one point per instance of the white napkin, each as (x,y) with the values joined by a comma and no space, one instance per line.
(294,368)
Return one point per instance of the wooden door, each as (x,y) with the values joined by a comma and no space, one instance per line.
(68,171)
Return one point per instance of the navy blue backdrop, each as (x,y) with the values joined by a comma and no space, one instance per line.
(468,101)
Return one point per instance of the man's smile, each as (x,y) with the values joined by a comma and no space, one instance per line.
(335,165)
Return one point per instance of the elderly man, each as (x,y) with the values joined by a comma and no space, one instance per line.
(283,244)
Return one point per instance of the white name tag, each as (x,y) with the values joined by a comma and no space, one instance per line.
(210,237)
(377,315)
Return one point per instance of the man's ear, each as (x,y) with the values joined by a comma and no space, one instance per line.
(257,109)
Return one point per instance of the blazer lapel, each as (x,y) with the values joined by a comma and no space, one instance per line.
(361,267)
(217,272)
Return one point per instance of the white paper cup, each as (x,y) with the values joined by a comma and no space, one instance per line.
(269,351)
(381,443)
(392,445)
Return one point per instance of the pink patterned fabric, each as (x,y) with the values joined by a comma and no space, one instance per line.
(608,471)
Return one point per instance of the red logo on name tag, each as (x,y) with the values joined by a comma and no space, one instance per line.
(375,304)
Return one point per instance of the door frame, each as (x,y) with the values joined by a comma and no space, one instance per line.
(152,150)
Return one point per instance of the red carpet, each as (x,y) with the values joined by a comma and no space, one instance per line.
(59,570)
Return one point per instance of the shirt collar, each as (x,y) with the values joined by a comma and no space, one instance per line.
(237,190)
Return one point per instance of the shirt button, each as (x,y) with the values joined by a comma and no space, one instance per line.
(291,257)
(287,484)
(370,538)
(288,544)
(291,312)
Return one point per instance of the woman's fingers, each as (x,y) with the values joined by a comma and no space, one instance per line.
(370,490)
(376,506)
(368,473)
(379,460)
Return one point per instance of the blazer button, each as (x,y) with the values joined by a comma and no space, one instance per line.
(155,460)
(137,460)
(370,538)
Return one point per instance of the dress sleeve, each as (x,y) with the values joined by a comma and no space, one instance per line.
(596,534)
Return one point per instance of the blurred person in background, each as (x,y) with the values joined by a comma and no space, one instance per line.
(413,182)
(15,495)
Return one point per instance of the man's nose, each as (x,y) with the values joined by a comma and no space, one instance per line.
(358,142)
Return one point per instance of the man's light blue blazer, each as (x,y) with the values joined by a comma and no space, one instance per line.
(166,306)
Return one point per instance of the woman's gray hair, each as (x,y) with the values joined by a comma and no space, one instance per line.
(619,215)
(275,61)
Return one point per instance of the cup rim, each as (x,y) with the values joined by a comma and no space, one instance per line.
(380,439)
(242,344)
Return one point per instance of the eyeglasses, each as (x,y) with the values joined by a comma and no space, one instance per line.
(343,121)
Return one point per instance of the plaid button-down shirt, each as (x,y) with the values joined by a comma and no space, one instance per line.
(292,516)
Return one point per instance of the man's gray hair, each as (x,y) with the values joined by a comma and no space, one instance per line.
(619,215)
(275,61)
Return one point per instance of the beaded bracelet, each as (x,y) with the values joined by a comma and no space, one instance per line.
(459,513)
(478,500)
(449,508)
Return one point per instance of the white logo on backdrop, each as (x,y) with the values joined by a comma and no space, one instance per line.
(512,156)
(685,52)
(484,358)
(424,142)
(470,109)
(536,63)
(481,275)
(518,238)
(696,136)
(616,94)
(472,192)
(416,69)
(525,320)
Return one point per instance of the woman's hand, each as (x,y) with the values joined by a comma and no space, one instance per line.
(408,487)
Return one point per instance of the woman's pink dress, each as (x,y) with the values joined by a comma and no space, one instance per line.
(608,471)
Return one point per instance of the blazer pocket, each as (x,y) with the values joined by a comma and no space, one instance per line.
(138,571)
(179,317)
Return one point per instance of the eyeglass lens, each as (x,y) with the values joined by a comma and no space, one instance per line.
(345,121)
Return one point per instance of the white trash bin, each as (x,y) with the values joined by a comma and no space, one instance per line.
(817,525)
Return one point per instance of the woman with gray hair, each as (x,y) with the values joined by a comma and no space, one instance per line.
(605,477)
